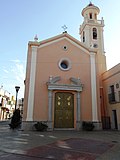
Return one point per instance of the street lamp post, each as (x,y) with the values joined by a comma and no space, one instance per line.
(17,89)
(22,105)
(22,101)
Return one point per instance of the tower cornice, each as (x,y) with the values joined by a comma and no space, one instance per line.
(90,7)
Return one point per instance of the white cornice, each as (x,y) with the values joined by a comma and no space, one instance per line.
(75,43)
(68,87)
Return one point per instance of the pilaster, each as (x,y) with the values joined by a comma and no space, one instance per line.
(50,98)
(31,84)
(93,87)
(78,122)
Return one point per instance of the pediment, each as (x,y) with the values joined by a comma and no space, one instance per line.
(62,37)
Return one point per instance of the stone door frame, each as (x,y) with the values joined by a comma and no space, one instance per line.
(76,87)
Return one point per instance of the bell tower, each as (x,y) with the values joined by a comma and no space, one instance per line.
(91,30)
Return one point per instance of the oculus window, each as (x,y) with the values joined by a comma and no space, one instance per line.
(65,48)
(65,64)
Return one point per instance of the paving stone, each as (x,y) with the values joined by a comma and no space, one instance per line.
(62,145)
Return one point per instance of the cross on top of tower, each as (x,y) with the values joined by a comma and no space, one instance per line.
(90,3)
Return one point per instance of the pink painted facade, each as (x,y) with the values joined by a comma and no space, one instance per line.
(63,77)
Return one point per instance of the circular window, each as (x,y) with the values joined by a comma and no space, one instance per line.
(65,48)
(95,45)
(65,64)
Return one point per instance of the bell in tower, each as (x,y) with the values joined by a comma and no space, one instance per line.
(91,30)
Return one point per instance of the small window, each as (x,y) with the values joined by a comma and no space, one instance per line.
(90,15)
(83,36)
(95,45)
(94,33)
(65,48)
(111,96)
(119,95)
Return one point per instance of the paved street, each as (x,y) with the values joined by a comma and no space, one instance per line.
(58,145)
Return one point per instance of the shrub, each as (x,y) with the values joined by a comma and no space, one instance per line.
(40,126)
(87,126)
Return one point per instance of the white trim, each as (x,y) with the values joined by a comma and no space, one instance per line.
(78,106)
(93,88)
(31,85)
(66,87)
(78,46)
(102,42)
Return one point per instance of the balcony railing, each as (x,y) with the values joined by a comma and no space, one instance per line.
(111,98)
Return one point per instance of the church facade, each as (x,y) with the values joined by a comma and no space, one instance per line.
(63,77)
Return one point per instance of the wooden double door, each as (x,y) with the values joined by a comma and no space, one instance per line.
(64,110)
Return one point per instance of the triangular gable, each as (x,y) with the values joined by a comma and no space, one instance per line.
(58,38)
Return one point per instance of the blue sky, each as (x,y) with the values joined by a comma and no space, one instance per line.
(21,20)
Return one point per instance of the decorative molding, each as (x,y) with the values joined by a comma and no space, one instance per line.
(54,79)
(76,81)
(68,87)
(52,85)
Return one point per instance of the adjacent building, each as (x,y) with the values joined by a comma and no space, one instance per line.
(6,104)
(111,90)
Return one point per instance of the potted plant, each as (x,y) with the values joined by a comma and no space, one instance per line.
(40,126)
(87,125)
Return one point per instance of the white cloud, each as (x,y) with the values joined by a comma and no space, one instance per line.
(5,70)
(15,60)
(19,75)
(16,76)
